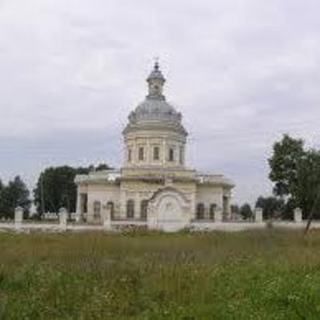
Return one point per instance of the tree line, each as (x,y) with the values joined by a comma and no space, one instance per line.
(55,188)
(294,172)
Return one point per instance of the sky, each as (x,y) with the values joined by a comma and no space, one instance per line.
(242,72)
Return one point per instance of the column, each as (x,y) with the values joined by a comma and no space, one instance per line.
(90,211)
(78,206)
(63,215)
(297,215)
(18,217)
(149,158)
(122,205)
(137,206)
(258,215)
(164,151)
(218,214)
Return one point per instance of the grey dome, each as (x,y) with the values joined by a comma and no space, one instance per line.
(154,109)
(155,112)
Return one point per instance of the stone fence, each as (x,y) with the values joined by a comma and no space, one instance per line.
(62,224)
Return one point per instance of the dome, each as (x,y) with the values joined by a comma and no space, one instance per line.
(155,111)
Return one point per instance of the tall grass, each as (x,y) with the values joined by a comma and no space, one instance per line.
(249,275)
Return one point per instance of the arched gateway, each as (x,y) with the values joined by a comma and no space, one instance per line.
(168,210)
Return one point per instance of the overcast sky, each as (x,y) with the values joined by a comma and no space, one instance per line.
(241,72)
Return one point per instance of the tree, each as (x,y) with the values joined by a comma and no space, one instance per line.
(271,206)
(56,188)
(296,174)
(284,165)
(13,195)
(2,209)
(246,211)
(308,183)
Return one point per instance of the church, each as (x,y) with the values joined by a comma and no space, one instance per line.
(154,187)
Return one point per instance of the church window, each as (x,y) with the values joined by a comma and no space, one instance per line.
(212,210)
(171,154)
(225,204)
(129,155)
(110,207)
(141,153)
(97,209)
(144,207)
(84,202)
(200,211)
(181,155)
(130,209)
(156,153)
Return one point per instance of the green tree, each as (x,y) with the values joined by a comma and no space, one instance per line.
(308,183)
(13,195)
(56,188)
(246,211)
(2,210)
(284,166)
(296,175)
(271,206)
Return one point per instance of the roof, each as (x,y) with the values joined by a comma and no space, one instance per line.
(155,110)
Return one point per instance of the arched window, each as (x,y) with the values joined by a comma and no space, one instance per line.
(200,211)
(144,207)
(141,153)
(156,153)
(84,203)
(212,210)
(171,154)
(110,206)
(225,205)
(96,209)
(130,209)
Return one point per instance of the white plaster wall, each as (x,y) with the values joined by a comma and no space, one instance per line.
(194,226)
(103,193)
(148,140)
(208,195)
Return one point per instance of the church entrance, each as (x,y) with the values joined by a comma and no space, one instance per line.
(168,211)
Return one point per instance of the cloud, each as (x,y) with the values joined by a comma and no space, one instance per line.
(241,72)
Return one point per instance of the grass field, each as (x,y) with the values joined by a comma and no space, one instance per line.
(248,275)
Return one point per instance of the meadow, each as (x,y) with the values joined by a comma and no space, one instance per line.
(271,274)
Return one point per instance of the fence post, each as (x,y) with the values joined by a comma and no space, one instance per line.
(258,215)
(218,214)
(63,215)
(297,215)
(18,217)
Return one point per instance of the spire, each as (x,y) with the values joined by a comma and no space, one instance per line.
(156,81)
(156,63)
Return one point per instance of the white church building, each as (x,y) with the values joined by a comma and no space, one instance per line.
(154,186)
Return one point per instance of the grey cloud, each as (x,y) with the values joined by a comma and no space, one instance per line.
(242,72)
